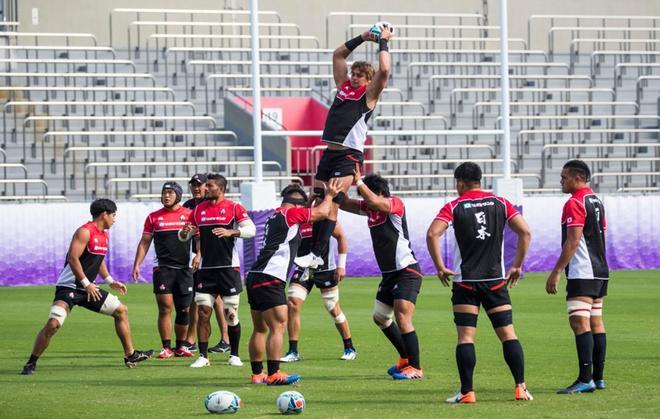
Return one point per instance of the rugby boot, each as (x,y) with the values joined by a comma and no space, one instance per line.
(183,352)
(166,353)
(349,354)
(310,260)
(521,393)
(400,364)
(137,356)
(234,361)
(221,347)
(600,384)
(291,356)
(578,387)
(459,397)
(258,378)
(28,369)
(409,373)
(280,379)
(200,362)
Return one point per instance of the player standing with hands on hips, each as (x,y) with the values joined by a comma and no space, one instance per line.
(345,129)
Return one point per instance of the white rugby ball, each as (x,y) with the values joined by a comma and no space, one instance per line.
(223,402)
(291,403)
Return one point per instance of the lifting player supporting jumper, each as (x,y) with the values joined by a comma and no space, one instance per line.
(479,219)
(75,286)
(587,274)
(402,280)
(266,279)
(345,129)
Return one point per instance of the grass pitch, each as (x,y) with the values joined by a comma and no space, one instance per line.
(82,373)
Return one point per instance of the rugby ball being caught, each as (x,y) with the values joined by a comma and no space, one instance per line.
(222,402)
(377,28)
(291,403)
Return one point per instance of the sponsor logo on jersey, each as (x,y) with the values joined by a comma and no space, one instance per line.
(232,289)
(478,204)
(182,217)
(162,287)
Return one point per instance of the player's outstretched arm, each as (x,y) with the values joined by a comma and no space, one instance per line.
(76,249)
(574,234)
(433,234)
(140,253)
(322,211)
(521,228)
(378,84)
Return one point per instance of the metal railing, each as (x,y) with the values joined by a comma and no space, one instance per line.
(68,36)
(95,51)
(597,57)
(584,121)
(74,64)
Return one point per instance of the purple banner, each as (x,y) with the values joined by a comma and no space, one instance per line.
(36,237)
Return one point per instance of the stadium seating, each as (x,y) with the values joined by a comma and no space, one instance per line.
(82,119)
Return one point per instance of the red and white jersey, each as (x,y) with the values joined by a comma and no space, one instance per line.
(91,258)
(164,225)
(479,219)
(218,252)
(346,123)
(389,236)
(281,241)
(584,209)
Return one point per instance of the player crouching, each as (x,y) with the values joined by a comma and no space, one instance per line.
(85,260)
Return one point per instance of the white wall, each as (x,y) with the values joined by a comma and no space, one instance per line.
(92,15)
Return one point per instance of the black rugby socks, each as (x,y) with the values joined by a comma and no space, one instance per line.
(600,344)
(204,349)
(515,359)
(585,349)
(411,344)
(293,346)
(348,343)
(33,360)
(466,359)
(273,366)
(393,333)
(167,343)
(257,367)
(234,333)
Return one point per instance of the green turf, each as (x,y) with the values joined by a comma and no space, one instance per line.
(82,374)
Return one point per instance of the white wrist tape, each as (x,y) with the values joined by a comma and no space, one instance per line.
(109,279)
(247,230)
(341,260)
(360,182)
(84,282)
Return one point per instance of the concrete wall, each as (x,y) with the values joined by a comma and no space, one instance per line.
(93,15)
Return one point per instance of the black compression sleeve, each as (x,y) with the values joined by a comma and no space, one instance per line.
(351,44)
(383,45)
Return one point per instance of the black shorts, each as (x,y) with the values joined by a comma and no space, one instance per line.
(78,297)
(173,281)
(219,281)
(400,285)
(264,291)
(338,163)
(322,280)
(594,288)
(490,294)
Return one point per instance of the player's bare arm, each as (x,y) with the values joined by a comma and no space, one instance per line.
(339,65)
(76,249)
(521,228)
(433,234)
(567,252)
(371,200)
(246,230)
(322,211)
(115,285)
(342,250)
(140,253)
(382,75)
(198,253)
(186,232)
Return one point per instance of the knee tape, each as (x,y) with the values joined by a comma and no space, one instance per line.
(231,309)
(110,304)
(578,308)
(597,309)
(182,318)
(501,318)
(203,299)
(320,192)
(340,318)
(58,313)
(330,299)
(296,291)
(383,313)
(465,319)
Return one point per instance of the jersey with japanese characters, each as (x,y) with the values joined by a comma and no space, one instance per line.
(478,219)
